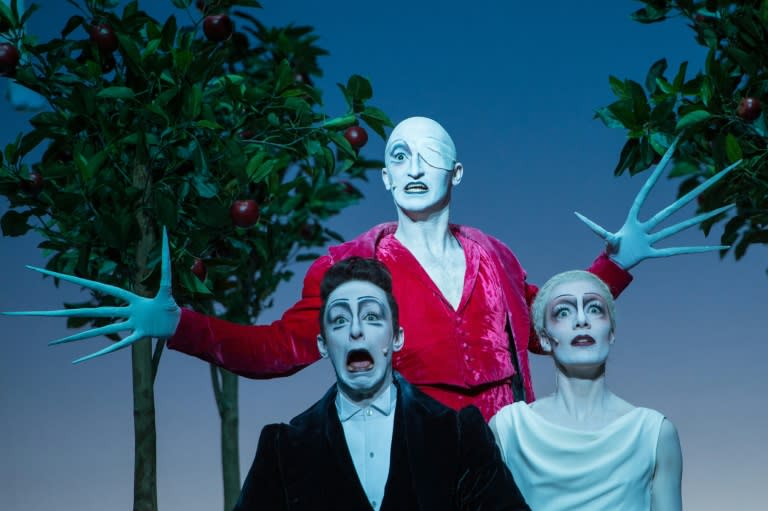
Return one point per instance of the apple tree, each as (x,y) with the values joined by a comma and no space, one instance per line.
(214,130)
(718,109)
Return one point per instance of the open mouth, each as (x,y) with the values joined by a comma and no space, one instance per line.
(359,361)
(415,187)
(582,340)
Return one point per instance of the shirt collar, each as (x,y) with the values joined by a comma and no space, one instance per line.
(384,404)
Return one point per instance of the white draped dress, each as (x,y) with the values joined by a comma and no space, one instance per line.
(560,469)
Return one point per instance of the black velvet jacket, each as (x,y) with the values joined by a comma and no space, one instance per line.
(440,460)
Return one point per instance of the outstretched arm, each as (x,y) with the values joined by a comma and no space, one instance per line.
(633,242)
(254,351)
(142,317)
(666,486)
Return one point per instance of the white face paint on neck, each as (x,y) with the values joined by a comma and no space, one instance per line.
(421,165)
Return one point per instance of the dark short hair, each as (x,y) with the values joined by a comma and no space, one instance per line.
(363,269)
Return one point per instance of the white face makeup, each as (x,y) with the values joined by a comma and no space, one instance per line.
(578,324)
(359,340)
(421,165)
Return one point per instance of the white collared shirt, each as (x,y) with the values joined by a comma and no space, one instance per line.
(368,432)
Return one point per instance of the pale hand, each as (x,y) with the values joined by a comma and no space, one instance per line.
(144,317)
(633,242)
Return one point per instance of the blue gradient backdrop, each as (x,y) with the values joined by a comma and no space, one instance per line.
(516,84)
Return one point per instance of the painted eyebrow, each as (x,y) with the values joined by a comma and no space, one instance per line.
(399,144)
(365,300)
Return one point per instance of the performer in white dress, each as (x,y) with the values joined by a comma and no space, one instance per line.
(583,447)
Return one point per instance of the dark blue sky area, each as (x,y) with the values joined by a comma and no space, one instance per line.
(516,84)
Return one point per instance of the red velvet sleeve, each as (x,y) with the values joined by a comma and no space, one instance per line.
(258,351)
(615,277)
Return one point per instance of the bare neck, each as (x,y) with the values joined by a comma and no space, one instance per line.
(581,396)
(427,233)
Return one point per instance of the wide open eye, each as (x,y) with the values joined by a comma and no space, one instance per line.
(561,312)
(595,308)
(339,320)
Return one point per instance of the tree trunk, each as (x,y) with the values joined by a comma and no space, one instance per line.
(225,390)
(145,435)
(145,457)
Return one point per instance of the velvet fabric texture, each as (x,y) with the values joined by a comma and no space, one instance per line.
(476,354)
(440,459)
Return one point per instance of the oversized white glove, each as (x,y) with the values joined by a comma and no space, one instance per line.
(633,242)
(145,317)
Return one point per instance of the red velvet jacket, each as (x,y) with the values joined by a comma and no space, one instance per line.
(456,370)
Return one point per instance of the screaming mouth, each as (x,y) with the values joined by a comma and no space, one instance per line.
(359,361)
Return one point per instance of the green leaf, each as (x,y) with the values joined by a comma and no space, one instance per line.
(677,83)
(209,125)
(14,223)
(191,283)
(339,122)
(204,187)
(116,93)
(683,168)
(629,154)
(617,86)
(660,142)
(95,163)
(649,14)
(664,85)
(692,118)
(732,148)
(623,112)
(656,70)
(359,87)
(705,92)
(169,32)
(639,101)
(182,4)
(27,14)
(7,16)
(605,115)
(150,49)
(264,170)
(72,24)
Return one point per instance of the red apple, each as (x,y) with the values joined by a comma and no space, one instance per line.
(244,213)
(104,37)
(356,136)
(749,109)
(218,27)
(199,269)
(33,185)
(9,59)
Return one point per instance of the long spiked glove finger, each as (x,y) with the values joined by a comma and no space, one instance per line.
(634,210)
(688,197)
(144,317)
(113,347)
(673,251)
(609,237)
(674,229)
(94,332)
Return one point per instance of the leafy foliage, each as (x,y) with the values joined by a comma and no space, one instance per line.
(709,109)
(178,127)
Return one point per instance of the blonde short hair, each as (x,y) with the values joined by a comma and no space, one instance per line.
(539,306)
